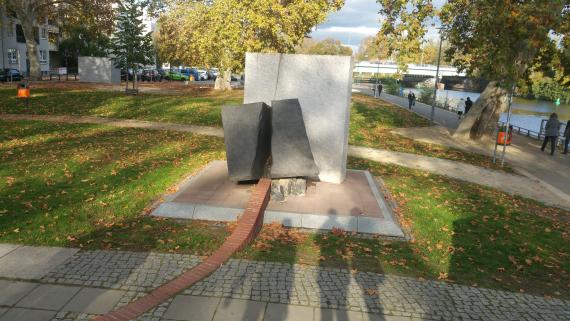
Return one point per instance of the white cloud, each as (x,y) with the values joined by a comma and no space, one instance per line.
(363,30)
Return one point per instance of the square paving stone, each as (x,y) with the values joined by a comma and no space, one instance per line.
(13,291)
(284,312)
(49,297)
(242,310)
(94,301)
(6,248)
(33,262)
(192,308)
(337,315)
(382,317)
(18,314)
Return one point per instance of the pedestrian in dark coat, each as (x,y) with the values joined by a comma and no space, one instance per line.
(566,137)
(468,105)
(411,99)
(551,133)
(379,89)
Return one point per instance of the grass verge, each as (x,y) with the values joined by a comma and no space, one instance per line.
(462,233)
(89,186)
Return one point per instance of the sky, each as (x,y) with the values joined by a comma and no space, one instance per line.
(355,21)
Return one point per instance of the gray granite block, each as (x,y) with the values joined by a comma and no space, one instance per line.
(243,310)
(48,296)
(247,136)
(33,262)
(324,91)
(337,315)
(175,210)
(291,154)
(12,291)
(94,301)
(286,218)
(283,312)
(17,314)
(373,225)
(328,222)
(6,248)
(215,213)
(192,308)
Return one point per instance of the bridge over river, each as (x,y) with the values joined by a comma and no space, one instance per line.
(414,71)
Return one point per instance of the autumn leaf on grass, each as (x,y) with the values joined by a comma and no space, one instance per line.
(10,180)
(442,276)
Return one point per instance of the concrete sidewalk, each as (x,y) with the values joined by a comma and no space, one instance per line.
(72,285)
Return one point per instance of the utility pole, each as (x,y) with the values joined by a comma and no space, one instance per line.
(432,116)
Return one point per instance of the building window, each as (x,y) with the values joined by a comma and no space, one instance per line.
(13,56)
(20,34)
(43,56)
(10,29)
(44,33)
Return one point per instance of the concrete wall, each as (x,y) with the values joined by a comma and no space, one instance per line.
(323,85)
(98,69)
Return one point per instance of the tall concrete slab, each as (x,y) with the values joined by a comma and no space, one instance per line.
(323,86)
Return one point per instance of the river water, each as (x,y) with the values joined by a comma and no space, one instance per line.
(526,113)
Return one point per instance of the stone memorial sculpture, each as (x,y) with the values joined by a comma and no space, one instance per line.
(291,154)
(267,141)
(247,136)
(323,85)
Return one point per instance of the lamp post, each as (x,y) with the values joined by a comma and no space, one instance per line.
(432,115)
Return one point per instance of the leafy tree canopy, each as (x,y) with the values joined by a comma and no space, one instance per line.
(329,46)
(495,39)
(372,48)
(219,33)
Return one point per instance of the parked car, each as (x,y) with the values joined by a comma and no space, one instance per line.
(151,75)
(10,74)
(174,75)
(202,74)
(191,72)
(213,73)
(124,74)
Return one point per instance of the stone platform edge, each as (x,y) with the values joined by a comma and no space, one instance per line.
(388,226)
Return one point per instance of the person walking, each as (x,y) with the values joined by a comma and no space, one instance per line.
(468,105)
(379,89)
(411,99)
(566,137)
(460,108)
(551,131)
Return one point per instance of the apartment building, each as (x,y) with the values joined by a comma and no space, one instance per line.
(13,44)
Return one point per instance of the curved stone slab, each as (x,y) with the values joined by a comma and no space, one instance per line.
(291,154)
(247,136)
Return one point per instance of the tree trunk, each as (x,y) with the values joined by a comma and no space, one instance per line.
(223,81)
(482,118)
(26,16)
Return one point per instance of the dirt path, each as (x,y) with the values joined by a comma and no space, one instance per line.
(513,184)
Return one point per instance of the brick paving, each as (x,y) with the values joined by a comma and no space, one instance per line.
(247,228)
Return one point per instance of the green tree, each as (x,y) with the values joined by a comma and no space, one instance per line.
(31,11)
(83,40)
(130,46)
(373,48)
(219,33)
(498,40)
(329,46)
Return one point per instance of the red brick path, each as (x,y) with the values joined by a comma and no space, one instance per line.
(246,230)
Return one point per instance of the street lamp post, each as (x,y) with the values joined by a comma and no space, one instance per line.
(432,115)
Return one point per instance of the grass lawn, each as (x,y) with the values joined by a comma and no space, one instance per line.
(88,186)
(462,233)
(371,120)
(199,107)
